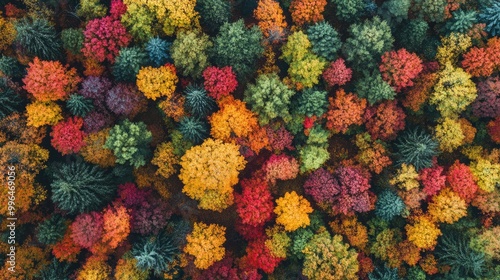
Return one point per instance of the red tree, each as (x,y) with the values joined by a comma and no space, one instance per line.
(103,39)
(255,204)
(385,120)
(260,257)
(219,82)
(353,193)
(478,63)
(337,73)
(67,136)
(86,230)
(399,68)
(461,181)
(432,179)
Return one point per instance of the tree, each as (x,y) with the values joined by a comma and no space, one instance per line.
(128,62)
(389,205)
(255,204)
(453,92)
(325,40)
(353,193)
(37,38)
(487,103)
(128,269)
(87,229)
(94,152)
(116,220)
(212,189)
(433,179)
(307,11)
(406,178)
(193,129)
(232,120)
(312,157)
(449,134)
(385,120)
(452,46)
(259,256)
(94,269)
(158,51)
(423,232)
(189,53)
(155,253)
(9,33)
(337,73)
(55,270)
(399,68)
(157,82)
(205,244)
(269,98)
(354,230)
(372,155)
(327,257)
(454,250)
(461,21)
(79,187)
(417,148)
(67,136)
(312,102)
(345,109)
(238,47)
(367,42)
(219,82)
(322,186)
(91,9)
(394,11)
(49,80)
(461,180)
(213,13)
(129,142)
(305,73)
(51,230)
(280,167)
(447,207)
(374,88)
(412,34)
(165,159)
(477,62)
(103,39)
(72,40)
(125,100)
(347,10)
(431,10)
(198,103)
(489,15)
(10,101)
(79,105)
(10,67)
(292,211)
(487,174)
(42,113)
(270,17)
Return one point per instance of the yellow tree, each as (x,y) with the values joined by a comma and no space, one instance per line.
(209,172)
(293,211)
(205,244)
(447,207)
(157,82)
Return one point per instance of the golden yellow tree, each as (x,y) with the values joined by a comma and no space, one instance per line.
(293,211)
(447,207)
(423,232)
(205,244)
(157,82)
(209,172)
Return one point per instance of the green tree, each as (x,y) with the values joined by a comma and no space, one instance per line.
(79,187)
(374,88)
(130,143)
(349,10)
(412,34)
(269,98)
(367,41)
(239,47)
(72,40)
(51,230)
(213,13)
(189,52)
(312,102)
(128,63)
(325,40)
(39,38)
(78,105)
